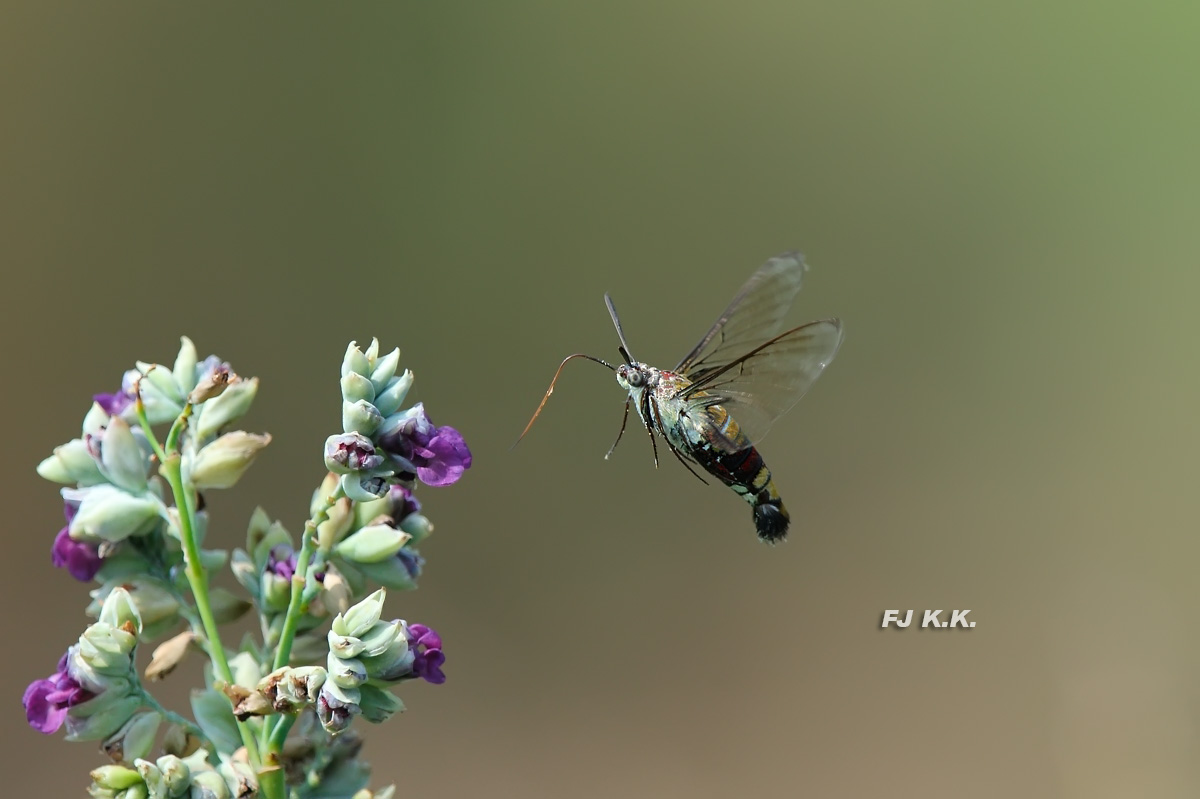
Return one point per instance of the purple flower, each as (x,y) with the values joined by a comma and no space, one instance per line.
(115,404)
(438,455)
(80,558)
(426,646)
(282,562)
(350,452)
(209,366)
(334,713)
(47,701)
(401,503)
(411,561)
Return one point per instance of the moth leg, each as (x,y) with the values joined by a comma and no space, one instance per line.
(649,426)
(621,432)
(658,420)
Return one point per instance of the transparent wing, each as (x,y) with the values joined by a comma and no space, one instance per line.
(766,382)
(755,315)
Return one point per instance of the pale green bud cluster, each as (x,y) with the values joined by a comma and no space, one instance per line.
(365,654)
(110,470)
(172,777)
(365,541)
(372,393)
(102,662)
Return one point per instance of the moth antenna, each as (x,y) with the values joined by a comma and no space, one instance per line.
(612,311)
(550,390)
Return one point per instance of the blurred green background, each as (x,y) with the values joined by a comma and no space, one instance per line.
(999,199)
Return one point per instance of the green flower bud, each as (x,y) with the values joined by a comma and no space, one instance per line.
(156,786)
(323,492)
(155,605)
(184,372)
(380,638)
(378,705)
(175,773)
(115,778)
(346,672)
(366,513)
(239,777)
(355,361)
(246,671)
(385,370)
(376,641)
(88,723)
(72,463)
(231,405)
(121,457)
(161,396)
(106,650)
(276,592)
(360,417)
(389,400)
(362,617)
(396,659)
(276,534)
(107,512)
(349,696)
(372,544)
(390,573)
(222,463)
(355,387)
(363,489)
(134,739)
(209,785)
(344,646)
(161,379)
(335,527)
(246,572)
(119,609)
(416,525)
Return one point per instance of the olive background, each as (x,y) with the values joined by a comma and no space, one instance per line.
(998,199)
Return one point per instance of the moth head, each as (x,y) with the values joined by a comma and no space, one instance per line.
(631,378)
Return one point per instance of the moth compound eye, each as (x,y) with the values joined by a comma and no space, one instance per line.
(635,378)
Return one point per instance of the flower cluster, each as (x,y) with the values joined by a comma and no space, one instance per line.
(381,444)
(94,689)
(174,777)
(272,719)
(365,656)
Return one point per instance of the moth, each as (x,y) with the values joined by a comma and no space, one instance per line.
(723,396)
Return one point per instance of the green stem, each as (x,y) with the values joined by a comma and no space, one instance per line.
(280,733)
(296,602)
(196,576)
(271,781)
(144,421)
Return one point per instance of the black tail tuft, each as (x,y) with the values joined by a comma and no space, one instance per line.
(771,520)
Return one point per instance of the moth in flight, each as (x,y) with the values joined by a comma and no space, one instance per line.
(725,394)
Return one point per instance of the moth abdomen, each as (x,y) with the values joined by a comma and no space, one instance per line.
(771,520)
